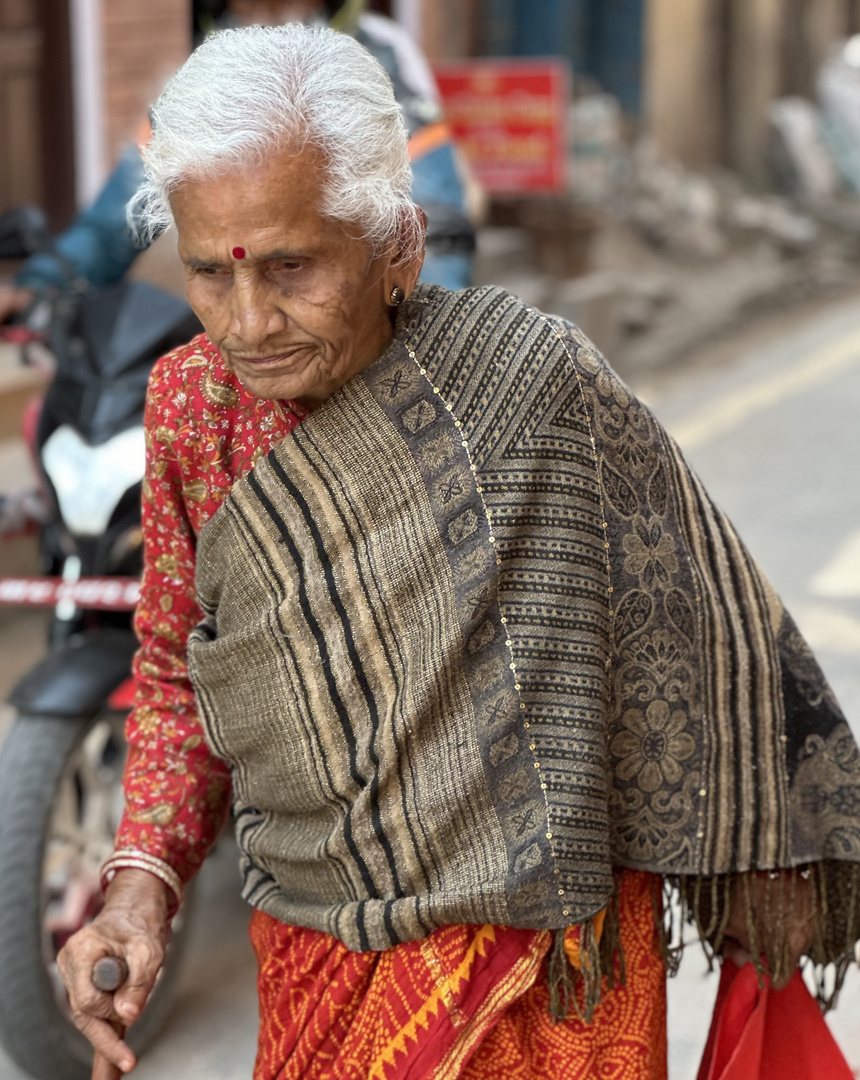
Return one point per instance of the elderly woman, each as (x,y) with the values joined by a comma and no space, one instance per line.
(434,596)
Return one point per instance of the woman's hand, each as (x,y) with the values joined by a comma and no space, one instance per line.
(797,918)
(133,925)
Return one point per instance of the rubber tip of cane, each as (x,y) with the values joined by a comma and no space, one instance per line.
(109,974)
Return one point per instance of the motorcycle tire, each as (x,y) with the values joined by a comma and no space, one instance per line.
(40,765)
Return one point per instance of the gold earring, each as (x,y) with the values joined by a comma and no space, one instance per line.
(397,296)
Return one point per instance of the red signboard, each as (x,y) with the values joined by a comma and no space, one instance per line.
(509,118)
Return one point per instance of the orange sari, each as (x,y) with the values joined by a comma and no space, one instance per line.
(467,1001)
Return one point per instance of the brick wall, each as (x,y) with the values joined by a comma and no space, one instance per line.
(144,43)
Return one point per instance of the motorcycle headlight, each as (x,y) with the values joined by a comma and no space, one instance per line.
(89,481)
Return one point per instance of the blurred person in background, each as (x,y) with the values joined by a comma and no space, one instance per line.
(99,246)
(435,603)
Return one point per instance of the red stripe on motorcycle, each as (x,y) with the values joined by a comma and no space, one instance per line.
(123,697)
(98,594)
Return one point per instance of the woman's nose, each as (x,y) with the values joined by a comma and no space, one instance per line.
(255,312)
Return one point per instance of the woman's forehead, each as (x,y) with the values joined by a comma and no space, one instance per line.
(283,192)
(274,215)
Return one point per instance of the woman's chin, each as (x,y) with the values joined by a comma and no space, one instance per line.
(273,387)
(276,381)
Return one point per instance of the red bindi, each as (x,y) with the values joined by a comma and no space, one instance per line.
(238,253)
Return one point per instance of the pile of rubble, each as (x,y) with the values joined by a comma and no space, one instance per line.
(681,255)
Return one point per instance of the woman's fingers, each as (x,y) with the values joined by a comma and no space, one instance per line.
(144,957)
(129,934)
(782,904)
(107,1043)
(76,961)
(101,1016)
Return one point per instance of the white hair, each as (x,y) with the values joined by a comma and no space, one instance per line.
(245,94)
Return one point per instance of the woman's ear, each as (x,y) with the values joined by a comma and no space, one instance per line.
(402,272)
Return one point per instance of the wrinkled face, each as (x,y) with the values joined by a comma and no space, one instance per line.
(297,303)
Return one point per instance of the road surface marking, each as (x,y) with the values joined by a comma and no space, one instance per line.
(730,411)
(827,628)
(841,577)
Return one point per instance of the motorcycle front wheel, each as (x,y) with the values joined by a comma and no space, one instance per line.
(60,803)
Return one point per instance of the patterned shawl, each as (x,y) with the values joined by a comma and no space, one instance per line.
(475,634)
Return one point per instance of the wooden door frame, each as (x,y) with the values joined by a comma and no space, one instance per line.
(57,136)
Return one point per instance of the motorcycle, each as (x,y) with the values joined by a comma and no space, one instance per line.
(61,763)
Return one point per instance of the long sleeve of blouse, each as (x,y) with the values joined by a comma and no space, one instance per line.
(203,432)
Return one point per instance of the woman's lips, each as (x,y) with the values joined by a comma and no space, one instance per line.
(268,361)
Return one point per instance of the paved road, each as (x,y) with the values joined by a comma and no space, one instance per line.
(774,432)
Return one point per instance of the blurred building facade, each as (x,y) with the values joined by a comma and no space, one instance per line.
(603,39)
(76,75)
(697,74)
(35,103)
(713,66)
(75,80)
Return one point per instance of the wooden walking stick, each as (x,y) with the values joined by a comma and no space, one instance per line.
(109,974)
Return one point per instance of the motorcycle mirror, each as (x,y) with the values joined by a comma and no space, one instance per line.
(23,232)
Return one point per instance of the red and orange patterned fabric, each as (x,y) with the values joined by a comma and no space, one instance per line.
(467,1001)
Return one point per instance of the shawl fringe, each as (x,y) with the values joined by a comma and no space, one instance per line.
(829,890)
(603,958)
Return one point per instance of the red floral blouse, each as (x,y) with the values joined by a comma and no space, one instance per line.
(204,431)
